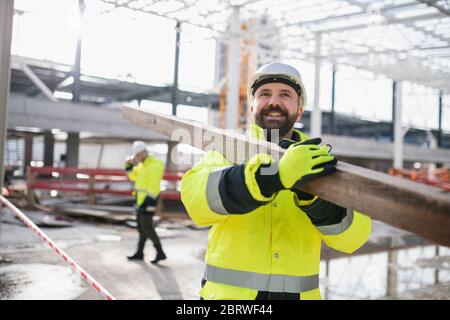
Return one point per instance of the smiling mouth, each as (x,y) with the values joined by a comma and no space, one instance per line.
(273,115)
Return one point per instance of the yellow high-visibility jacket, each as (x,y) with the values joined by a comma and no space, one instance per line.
(259,242)
(147,177)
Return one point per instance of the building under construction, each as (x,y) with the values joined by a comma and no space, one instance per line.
(81,80)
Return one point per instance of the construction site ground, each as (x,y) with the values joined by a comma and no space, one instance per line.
(36,272)
(31,270)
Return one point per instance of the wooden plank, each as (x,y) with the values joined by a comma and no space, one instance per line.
(404,204)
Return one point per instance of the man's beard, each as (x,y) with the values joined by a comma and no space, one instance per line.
(284,125)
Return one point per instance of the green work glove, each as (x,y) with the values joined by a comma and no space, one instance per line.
(305,161)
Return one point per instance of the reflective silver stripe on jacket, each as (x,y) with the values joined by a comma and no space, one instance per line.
(338,227)
(260,281)
(212,192)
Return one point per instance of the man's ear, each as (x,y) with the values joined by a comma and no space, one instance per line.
(299,114)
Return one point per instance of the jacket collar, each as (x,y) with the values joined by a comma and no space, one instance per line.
(257,132)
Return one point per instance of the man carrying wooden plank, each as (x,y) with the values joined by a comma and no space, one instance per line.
(146,172)
(266,237)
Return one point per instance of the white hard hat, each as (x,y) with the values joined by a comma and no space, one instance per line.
(277,72)
(138,146)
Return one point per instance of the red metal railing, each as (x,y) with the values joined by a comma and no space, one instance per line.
(87,181)
(439,178)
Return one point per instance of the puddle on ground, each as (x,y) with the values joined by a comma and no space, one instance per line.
(419,272)
(108,237)
(164,233)
(39,282)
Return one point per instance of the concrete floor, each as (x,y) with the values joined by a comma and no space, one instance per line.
(36,272)
(101,249)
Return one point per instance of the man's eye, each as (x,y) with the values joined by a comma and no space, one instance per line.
(263,94)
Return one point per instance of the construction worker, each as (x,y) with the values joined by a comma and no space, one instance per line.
(265,238)
(146,171)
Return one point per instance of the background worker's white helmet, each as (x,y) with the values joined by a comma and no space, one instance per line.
(277,72)
(138,147)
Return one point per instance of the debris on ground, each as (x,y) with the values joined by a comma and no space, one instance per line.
(41,219)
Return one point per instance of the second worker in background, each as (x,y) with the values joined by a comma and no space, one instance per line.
(147,172)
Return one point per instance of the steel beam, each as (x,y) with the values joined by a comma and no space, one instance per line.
(38,83)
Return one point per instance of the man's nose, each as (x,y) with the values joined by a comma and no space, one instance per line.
(274,100)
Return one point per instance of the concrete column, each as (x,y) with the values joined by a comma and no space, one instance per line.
(398,130)
(333,99)
(316,114)
(73,148)
(233,71)
(392,274)
(327,277)
(439,137)
(394,102)
(100,155)
(6,23)
(73,138)
(49,148)
(27,152)
(436,271)
(76,87)
(175,69)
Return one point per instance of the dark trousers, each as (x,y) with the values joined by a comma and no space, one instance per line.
(145,226)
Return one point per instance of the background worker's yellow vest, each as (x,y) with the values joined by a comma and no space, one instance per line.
(147,177)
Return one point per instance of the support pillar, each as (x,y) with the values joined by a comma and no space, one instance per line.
(436,271)
(49,148)
(333,99)
(394,101)
(392,274)
(398,130)
(175,69)
(233,71)
(73,148)
(73,138)
(439,137)
(76,71)
(6,26)
(327,277)
(27,151)
(316,115)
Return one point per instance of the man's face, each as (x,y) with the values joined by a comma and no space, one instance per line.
(275,106)
(140,156)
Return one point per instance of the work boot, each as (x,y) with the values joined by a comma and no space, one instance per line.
(160,255)
(136,256)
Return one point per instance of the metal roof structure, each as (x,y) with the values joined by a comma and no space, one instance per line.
(95,90)
(101,91)
(405,40)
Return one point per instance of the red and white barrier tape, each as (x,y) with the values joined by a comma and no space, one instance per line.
(89,279)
